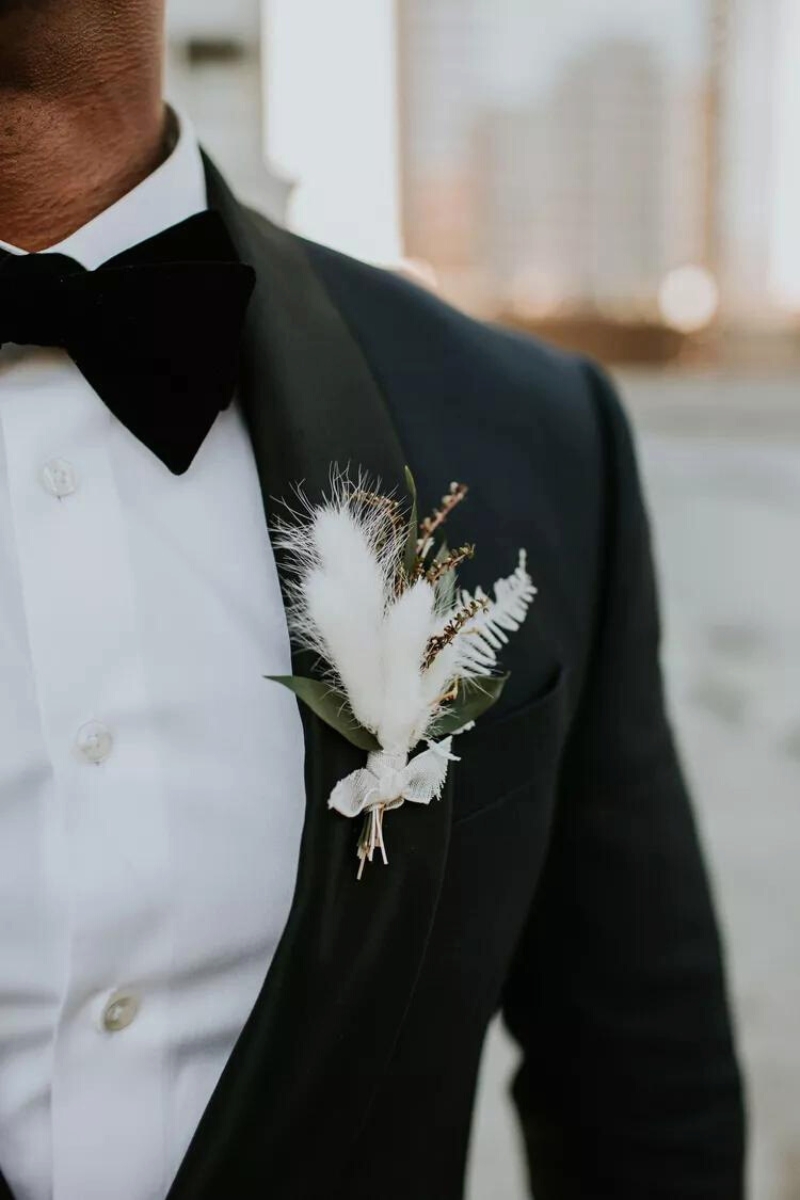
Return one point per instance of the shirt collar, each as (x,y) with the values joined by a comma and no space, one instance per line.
(174,191)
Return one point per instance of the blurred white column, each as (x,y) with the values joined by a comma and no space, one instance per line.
(747,177)
(785,248)
(332,119)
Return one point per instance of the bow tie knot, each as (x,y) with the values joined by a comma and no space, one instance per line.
(154,330)
(36,299)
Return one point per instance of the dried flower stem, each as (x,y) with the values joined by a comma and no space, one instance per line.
(449,563)
(439,515)
(371,838)
(437,643)
(393,512)
(391,507)
(449,696)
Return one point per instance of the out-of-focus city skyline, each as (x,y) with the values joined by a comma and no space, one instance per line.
(712,146)
(636,162)
(526,46)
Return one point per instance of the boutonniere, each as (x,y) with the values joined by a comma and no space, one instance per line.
(407,656)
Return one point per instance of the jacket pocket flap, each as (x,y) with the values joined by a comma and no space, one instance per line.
(500,756)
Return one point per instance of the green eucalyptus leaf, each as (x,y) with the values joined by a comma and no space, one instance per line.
(446,585)
(446,592)
(413,525)
(475,696)
(330,706)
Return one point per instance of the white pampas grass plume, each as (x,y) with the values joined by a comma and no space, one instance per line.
(441,674)
(345,598)
(477,643)
(343,557)
(408,625)
(297,534)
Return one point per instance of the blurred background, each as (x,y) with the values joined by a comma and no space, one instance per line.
(623,179)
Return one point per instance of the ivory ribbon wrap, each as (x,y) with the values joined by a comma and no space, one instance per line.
(389,779)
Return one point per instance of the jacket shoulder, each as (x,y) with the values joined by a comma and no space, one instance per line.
(415,339)
(539,434)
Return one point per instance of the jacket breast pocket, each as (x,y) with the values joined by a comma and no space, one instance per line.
(512,752)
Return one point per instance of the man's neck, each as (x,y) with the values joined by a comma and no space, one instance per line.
(82,120)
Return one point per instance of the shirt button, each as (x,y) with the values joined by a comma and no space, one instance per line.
(94,741)
(120,1011)
(59,477)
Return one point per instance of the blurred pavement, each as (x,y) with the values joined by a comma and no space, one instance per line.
(721,462)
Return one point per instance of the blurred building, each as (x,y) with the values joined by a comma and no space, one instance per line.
(587,195)
(573,212)
(579,199)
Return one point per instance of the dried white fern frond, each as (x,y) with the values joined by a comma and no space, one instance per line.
(478,642)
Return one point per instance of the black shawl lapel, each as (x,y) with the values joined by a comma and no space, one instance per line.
(296,1091)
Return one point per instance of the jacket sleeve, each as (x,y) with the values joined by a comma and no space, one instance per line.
(629,1086)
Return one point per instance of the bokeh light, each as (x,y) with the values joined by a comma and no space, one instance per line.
(688,298)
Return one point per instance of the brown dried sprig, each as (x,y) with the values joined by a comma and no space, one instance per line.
(449,696)
(439,515)
(391,507)
(448,563)
(453,627)
(393,512)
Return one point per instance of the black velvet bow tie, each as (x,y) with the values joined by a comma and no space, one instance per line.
(155,330)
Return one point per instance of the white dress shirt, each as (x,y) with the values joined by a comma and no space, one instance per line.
(151,781)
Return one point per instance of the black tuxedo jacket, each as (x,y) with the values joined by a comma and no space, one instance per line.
(559,878)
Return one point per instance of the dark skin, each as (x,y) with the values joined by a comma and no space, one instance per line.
(82,119)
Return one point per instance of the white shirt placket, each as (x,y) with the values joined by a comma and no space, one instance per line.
(110,846)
